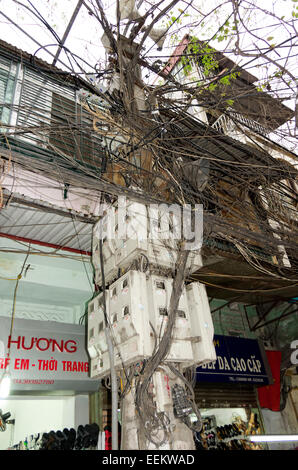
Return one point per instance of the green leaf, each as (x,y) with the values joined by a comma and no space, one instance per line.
(212,86)
(225,80)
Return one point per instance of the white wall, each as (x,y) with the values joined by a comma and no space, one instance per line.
(276,422)
(44,189)
(283,422)
(225,415)
(42,414)
(54,289)
(81,410)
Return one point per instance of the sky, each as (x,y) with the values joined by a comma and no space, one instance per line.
(84,39)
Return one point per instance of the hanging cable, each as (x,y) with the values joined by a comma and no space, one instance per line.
(114,383)
(19,277)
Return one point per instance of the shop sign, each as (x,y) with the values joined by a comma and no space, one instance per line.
(238,360)
(45,355)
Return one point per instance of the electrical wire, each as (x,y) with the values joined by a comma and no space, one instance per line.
(154,424)
(173,137)
(19,277)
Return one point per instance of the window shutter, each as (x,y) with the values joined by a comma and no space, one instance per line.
(3,82)
(64,135)
(52,119)
(225,395)
(72,131)
(7,80)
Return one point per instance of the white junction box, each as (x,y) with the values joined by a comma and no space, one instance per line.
(162,390)
(129,325)
(159,295)
(137,311)
(128,234)
(201,324)
(110,268)
(157,254)
(96,345)
(129,318)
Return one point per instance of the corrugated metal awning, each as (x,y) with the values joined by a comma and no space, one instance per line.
(48,226)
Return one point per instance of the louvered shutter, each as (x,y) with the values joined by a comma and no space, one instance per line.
(225,395)
(7,81)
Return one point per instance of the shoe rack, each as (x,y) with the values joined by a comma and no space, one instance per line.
(232,436)
(84,438)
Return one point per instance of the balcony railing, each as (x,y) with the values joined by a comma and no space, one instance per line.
(228,125)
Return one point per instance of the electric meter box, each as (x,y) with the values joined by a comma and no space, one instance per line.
(96,342)
(159,295)
(129,318)
(129,324)
(138,308)
(110,268)
(201,324)
(126,237)
(162,390)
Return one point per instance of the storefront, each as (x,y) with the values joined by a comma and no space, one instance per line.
(226,394)
(50,384)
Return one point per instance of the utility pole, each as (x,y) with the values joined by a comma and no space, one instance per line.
(179,436)
(159,327)
(174,435)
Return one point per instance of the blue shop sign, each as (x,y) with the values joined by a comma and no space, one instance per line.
(238,360)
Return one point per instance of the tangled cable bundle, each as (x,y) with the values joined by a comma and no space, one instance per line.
(148,141)
(153,421)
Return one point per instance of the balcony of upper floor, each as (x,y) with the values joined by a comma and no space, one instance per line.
(227,97)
